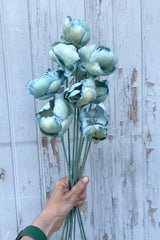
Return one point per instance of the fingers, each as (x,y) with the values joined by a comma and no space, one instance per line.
(79,204)
(82,196)
(62,183)
(79,190)
(81,199)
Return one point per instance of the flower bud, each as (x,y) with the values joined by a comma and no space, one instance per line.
(55,118)
(81,93)
(65,56)
(46,86)
(97,60)
(75,32)
(94,122)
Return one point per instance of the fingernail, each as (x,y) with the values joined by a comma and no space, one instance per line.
(85,179)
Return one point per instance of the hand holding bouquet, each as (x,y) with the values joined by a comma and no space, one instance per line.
(82,103)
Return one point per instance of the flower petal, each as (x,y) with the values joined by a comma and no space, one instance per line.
(65,124)
(66,26)
(66,53)
(49,125)
(53,56)
(38,87)
(94,68)
(60,108)
(85,52)
(102,91)
(45,86)
(85,39)
(75,32)
(105,58)
(93,120)
(88,95)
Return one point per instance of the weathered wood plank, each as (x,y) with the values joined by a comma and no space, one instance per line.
(7,198)
(21,124)
(46,26)
(123,194)
(151,71)
(8,225)
(101,167)
(42,27)
(128,115)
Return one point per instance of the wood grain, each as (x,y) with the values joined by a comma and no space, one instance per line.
(123,193)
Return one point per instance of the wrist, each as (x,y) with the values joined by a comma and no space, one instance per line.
(31,232)
(26,238)
(46,222)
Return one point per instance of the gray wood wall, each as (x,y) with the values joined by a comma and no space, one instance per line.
(124,192)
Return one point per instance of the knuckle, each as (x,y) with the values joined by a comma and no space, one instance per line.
(58,181)
(80,203)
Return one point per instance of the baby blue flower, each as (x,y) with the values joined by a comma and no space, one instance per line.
(75,32)
(47,85)
(87,91)
(97,60)
(65,56)
(55,118)
(81,93)
(94,122)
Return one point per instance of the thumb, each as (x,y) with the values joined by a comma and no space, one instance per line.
(79,187)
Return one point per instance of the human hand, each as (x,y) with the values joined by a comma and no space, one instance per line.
(60,203)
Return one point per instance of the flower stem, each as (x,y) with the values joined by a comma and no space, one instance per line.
(80,149)
(74,224)
(64,227)
(71,224)
(88,145)
(76,156)
(66,231)
(69,155)
(74,131)
(64,149)
(80,224)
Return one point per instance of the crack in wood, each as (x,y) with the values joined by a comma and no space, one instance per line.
(148,151)
(154,109)
(54,144)
(151,211)
(149,84)
(131,223)
(133,108)
(120,70)
(2,173)
(149,138)
(134,75)
(121,123)
(44,142)
(135,138)
(105,237)
(110,137)
(113,201)
(47,195)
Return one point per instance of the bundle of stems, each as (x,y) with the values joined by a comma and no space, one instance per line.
(75,171)
(85,63)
